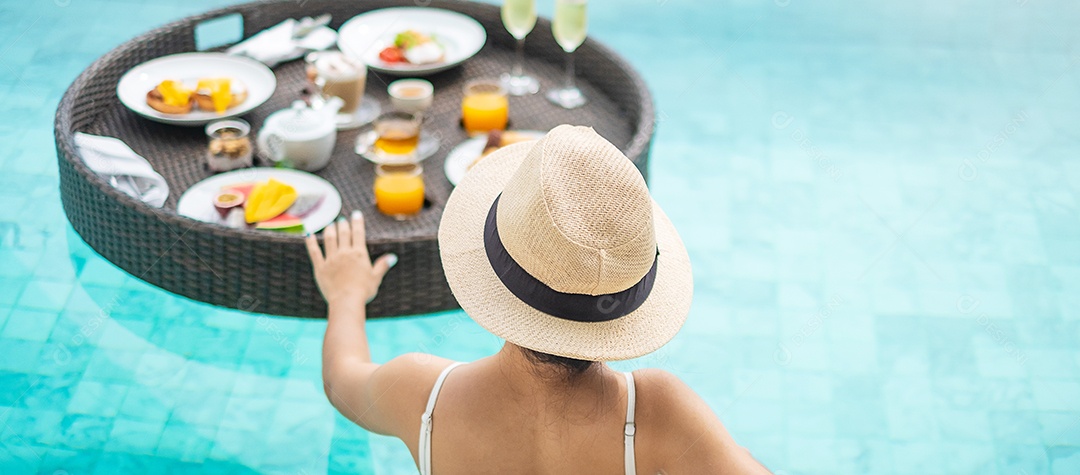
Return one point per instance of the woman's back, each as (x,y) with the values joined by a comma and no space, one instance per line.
(482,424)
(498,415)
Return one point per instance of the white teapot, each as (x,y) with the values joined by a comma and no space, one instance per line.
(300,135)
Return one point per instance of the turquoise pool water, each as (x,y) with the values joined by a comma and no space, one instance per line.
(879,199)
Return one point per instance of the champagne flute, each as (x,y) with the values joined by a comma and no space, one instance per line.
(519,18)
(569,28)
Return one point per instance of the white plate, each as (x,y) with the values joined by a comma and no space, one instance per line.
(458,160)
(198,201)
(189,67)
(367,34)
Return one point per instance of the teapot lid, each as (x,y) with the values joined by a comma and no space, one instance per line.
(301,122)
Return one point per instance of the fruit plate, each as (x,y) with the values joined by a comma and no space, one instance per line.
(367,34)
(188,68)
(198,201)
(459,159)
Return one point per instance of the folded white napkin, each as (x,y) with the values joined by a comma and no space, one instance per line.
(124,169)
(276,44)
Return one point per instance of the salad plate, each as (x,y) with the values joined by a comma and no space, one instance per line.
(411,41)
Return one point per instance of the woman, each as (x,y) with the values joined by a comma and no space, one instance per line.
(556,247)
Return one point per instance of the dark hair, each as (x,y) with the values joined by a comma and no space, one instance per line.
(570,367)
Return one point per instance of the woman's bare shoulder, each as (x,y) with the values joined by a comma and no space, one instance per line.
(401,387)
(678,431)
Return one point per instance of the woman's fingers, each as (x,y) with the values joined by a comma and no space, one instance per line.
(344,234)
(359,238)
(313,250)
(330,239)
(382,265)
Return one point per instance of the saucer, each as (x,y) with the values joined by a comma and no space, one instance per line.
(369,109)
(429,144)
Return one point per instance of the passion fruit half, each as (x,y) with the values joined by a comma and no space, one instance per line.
(227,201)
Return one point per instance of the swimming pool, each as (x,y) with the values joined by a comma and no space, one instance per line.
(879,201)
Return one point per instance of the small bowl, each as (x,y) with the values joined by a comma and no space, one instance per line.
(411,95)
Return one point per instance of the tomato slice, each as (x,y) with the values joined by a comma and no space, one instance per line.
(392,55)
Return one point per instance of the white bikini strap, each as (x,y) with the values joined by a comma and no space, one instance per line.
(423,451)
(630,428)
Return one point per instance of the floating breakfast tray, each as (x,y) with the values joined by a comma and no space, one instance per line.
(268,272)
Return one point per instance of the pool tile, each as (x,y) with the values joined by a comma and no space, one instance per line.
(248,414)
(45,295)
(34,427)
(1055,395)
(136,437)
(186,442)
(350,456)
(965,457)
(160,369)
(97,399)
(864,455)
(197,408)
(1015,427)
(57,461)
(147,404)
(29,325)
(113,365)
(121,462)
(20,262)
(10,289)
(19,458)
(917,457)
(753,417)
(85,432)
(47,393)
(102,272)
(120,337)
(1022,459)
(1064,460)
(812,454)
(865,418)
(20,355)
(964,425)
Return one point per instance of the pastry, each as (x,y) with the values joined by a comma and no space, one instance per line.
(219,94)
(170,97)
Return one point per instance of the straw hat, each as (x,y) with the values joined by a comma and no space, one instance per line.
(555,245)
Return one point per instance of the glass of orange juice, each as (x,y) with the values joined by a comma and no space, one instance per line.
(485,107)
(399,189)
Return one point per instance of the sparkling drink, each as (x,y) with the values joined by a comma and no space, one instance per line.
(569,27)
(571,24)
(519,17)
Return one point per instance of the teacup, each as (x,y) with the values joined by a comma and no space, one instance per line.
(411,95)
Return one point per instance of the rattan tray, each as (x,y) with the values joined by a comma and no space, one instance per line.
(269,273)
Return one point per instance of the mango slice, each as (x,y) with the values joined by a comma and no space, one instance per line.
(268,200)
